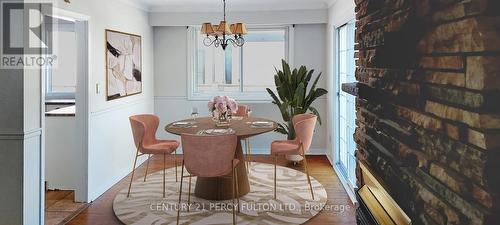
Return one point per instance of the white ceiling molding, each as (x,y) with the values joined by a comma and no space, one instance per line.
(232,5)
(316,16)
(136,4)
(239,8)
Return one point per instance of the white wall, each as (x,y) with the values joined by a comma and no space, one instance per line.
(111,150)
(341,12)
(61,143)
(171,81)
(64,71)
(21,165)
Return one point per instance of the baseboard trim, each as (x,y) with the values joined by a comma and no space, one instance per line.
(345,184)
(329,159)
(343,181)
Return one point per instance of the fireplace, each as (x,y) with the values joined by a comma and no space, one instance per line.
(375,205)
(427,112)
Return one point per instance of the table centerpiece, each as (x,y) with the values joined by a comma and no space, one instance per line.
(222,107)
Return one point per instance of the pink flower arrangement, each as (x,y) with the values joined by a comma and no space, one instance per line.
(222,105)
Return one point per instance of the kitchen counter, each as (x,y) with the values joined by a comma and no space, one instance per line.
(66,111)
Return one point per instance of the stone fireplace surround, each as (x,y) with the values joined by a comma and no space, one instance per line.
(428,108)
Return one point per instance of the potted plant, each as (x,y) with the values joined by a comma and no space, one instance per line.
(295,96)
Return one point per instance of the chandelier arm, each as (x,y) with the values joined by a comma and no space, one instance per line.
(237,42)
(207,41)
(233,41)
(241,41)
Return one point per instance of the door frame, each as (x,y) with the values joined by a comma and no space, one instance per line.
(81,103)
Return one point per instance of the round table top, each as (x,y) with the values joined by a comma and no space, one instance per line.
(242,127)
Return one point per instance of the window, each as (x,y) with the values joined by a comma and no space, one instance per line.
(61,77)
(345,160)
(241,72)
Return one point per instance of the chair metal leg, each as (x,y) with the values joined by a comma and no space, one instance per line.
(275,162)
(247,147)
(234,196)
(180,193)
(164,174)
(189,194)
(237,189)
(147,167)
(133,171)
(175,164)
(308,179)
(247,165)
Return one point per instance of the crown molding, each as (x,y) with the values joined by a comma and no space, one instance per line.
(137,5)
(325,4)
(316,16)
(239,7)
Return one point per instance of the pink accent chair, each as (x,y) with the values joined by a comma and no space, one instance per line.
(303,125)
(243,111)
(209,156)
(144,130)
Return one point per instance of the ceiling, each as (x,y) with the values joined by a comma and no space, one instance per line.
(232,5)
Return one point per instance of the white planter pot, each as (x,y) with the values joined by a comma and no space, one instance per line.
(294,158)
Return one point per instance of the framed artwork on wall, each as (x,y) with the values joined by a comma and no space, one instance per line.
(123,64)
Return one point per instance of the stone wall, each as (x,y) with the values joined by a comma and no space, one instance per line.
(428,106)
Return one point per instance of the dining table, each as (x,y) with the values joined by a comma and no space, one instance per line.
(220,188)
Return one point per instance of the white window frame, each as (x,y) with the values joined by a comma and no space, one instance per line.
(47,71)
(348,186)
(344,168)
(256,97)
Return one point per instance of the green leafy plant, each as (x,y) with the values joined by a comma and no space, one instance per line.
(294,97)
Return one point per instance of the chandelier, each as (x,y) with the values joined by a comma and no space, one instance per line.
(223,34)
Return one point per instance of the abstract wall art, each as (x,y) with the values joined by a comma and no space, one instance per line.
(123,64)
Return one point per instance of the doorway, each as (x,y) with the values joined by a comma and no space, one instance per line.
(65,123)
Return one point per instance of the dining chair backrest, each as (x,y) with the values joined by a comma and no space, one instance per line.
(303,125)
(144,129)
(242,111)
(209,156)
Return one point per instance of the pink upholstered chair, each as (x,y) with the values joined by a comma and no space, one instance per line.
(243,112)
(303,125)
(144,130)
(209,156)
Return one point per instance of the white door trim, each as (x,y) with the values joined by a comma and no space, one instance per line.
(81,96)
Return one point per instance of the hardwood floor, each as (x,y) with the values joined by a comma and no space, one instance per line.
(60,207)
(340,209)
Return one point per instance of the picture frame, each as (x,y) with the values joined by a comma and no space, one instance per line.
(123,59)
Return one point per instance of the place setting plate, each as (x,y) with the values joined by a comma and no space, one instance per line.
(261,124)
(184,124)
(216,131)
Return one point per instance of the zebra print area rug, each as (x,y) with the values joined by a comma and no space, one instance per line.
(293,205)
